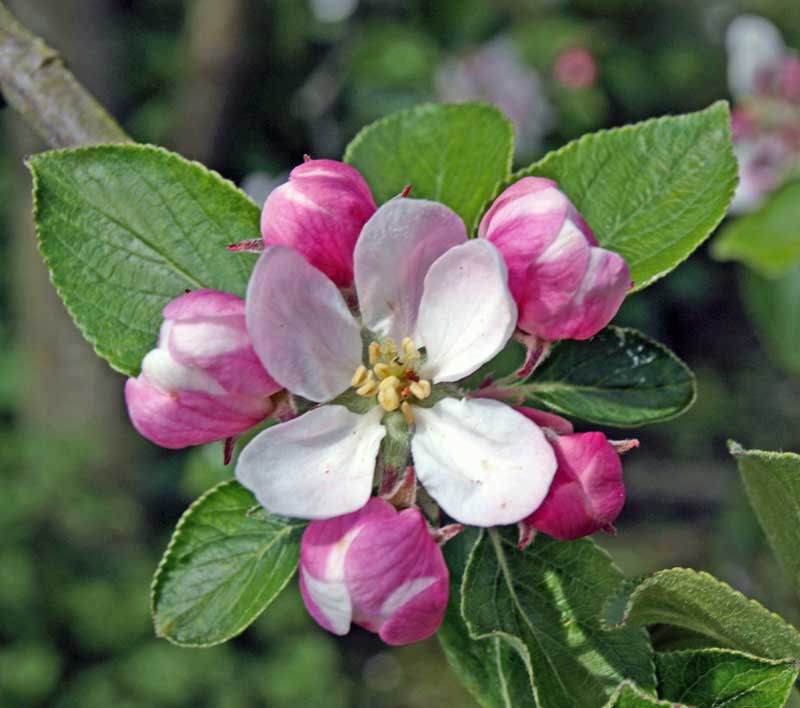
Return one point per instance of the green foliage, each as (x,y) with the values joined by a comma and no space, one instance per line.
(767,239)
(455,154)
(126,228)
(545,602)
(628,695)
(618,377)
(772,481)
(773,305)
(699,602)
(652,191)
(720,678)
(227,561)
(491,669)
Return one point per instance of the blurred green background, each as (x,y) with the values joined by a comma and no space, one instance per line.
(248,86)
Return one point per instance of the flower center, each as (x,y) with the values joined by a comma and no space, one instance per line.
(392,376)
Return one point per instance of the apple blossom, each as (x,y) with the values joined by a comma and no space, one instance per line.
(319,212)
(587,493)
(434,307)
(203,382)
(377,567)
(564,284)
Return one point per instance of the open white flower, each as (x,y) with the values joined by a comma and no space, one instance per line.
(434,306)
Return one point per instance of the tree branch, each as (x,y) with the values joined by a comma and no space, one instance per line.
(34,80)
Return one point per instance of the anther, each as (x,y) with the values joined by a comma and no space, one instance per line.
(421,389)
(389,347)
(389,382)
(359,377)
(374,352)
(382,370)
(388,398)
(410,351)
(405,406)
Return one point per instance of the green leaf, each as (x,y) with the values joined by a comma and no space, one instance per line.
(227,561)
(773,305)
(618,377)
(701,603)
(126,228)
(720,678)
(546,602)
(454,154)
(490,669)
(767,239)
(653,191)
(628,695)
(772,481)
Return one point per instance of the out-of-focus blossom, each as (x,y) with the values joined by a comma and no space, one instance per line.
(588,492)
(564,284)
(378,568)
(496,73)
(319,213)
(765,78)
(576,67)
(203,382)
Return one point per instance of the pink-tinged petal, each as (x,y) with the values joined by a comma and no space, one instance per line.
(564,285)
(207,331)
(467,314)
(319,212)
(543,419)
(322,564)
(300,326)
(393,254)
(316,466)
(484,463)
(176,420)
(587,493)
(397,578)
(575,298)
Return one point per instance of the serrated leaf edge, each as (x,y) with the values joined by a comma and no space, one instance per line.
(639,586)
(166,557)
(30,162)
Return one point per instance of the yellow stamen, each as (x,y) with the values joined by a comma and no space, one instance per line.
(374,352)
(359,377)
(369,387)
(382,370)
(405,406)
(421,389)
(389,348)
(388,398)
(410,352)
(389,382)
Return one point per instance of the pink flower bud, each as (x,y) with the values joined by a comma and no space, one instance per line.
(587,493)
(377,567)
(203,382)
(564,284)
(319,212)
(576,68)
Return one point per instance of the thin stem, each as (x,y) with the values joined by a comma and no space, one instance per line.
(46,94)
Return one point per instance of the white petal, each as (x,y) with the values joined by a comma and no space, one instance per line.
(484,463)
(161,370)
(333,600)
(467,313)
(300,326)
(316,466)
(393,254)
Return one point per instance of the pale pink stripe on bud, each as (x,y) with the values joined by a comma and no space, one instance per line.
(320,212)
(564,284)
(378,568)
(203,382)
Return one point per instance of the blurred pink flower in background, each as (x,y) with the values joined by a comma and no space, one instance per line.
(495,72)
(575,67)
(764,77)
